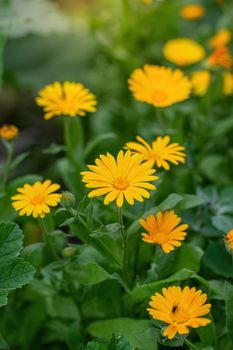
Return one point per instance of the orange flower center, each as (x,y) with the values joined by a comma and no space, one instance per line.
(37,199)
(159,96)
(160,237)
(153,155)
(120,184)
(179,315)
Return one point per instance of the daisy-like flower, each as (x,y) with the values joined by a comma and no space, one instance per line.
(125,178)
(229,240)
(160,152)
(8,132)
(36,199)
(183,51)
(159,86)
(67,99)
(200,82)
(192,12)
(180,309)
(220,57)
(227,83)
(221,38)
(164,229)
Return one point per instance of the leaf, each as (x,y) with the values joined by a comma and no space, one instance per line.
(3,298)
(2,45)
(94,345)
(15,274)
(89,273)
(217,289)
(217,259)
(228,293)
(207,334)
(190,201)
(3,343)
(96,141)
(18,160)
(223,223)
(54,149)
(11,241)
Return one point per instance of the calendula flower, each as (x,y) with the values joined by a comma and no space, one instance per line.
(220,57)
(183,51)
(229,240)
(125,178)
(192,12)
(67,99)
(147,1)
(161,151)
(36,199)
(8,132)
(164,229)
(227,83)
(159,86)
(180,309)
(221,38)
(200,82)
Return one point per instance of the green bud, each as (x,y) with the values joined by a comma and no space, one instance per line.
(68,252)
(67,200)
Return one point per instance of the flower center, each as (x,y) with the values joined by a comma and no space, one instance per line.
(160,237)
(154,156)
(121,184)
(159,96)
(179,315)
(37,199)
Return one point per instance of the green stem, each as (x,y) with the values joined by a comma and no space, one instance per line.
(124,245)
(10,150)
(67,139)
(160,120)
(190,345)
(47,239)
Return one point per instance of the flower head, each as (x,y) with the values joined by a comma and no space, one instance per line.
(192,12)
(200,82)
(180,309)
(164,229)
(125,178)
(8,132)
(160,152)
(159,86)
(67,99)
(229,240)
(221,38)
(220,57)
(36,199)
(227,83)
(183,51)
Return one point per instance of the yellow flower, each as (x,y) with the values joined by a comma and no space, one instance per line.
(36,199)
(126,177)
(200,82)
(192,12)
(222,38)
(229,240)
(159,86)
(220,57)
(180,309)
(227,83)
(160,152)
(147,1)
(8,132)
(183,51)
(164,229)
(67,99)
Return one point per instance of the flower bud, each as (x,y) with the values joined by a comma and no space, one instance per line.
(68,252)
(67,200)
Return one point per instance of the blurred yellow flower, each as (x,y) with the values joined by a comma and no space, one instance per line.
(227,83)
(36,199)
(147,1)
(67,99)
(164,229)
(220,57)
(192,12)
(160,152)
(229,239)
(125,178)
(8,132)
(200,82)
(183,51)
(159,86)
(180,309)
(221,38)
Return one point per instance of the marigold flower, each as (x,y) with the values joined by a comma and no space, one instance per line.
(180,309)
(200,82)
(36,199)
(164,229)
(192,12)
(8,132)
(229,240)
(126,177)
(220,57)
(183,51)
(67,99)
(227,83)
(221,38)
(159,86)
(160,152)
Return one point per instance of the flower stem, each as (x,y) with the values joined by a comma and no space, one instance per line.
(124,245)
(67,138)
(159,116)
(47,238)
(190,345)
(10,150)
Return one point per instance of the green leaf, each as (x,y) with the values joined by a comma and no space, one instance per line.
(54,149)
(18,160)
(207,334)
(94,345)
(228,293)
(3,343)
(217,259)
(3,298)
(89,273)
(190,201)
(139,333)
(15,274)
(223,223)
(96,141)
(217,289)
(2,45)
(11,241)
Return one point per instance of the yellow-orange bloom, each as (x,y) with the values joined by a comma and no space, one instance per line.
(221,38)
(159,86)
(229,240)
(200,82)
(67,99)
(160,152)
(36,199)
(220,57)
(125,178)
(164,229)
(180,309)
(192,12)
(8,132)
(183,51)
(227,83)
